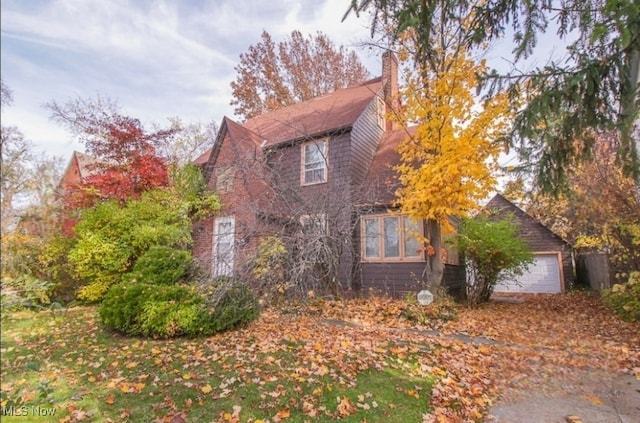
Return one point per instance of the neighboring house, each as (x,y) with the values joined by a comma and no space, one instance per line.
(552,268)
(321,167)
(80,167)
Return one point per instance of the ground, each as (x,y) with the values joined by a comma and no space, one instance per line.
(541,359)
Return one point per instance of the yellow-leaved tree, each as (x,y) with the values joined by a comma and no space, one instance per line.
(449,162)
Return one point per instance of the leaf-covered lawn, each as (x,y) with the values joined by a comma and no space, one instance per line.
(356,361)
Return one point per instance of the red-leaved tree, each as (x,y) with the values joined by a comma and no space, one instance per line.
(126,161)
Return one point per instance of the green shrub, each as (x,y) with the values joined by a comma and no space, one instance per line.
(25,292)
(493,252)
(624,299)
(175,311)
(122,305)
(233,304)
(161,265)
(166,311)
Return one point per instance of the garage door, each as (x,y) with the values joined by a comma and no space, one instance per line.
(542,276)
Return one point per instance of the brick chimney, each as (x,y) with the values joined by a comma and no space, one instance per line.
(390,84)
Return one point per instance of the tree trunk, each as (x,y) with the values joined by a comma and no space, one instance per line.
(434,271)
(635,81)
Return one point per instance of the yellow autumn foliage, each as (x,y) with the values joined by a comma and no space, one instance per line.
(449,163)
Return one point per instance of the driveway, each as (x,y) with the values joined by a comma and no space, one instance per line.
(588,396)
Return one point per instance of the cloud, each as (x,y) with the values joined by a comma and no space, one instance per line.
(157,58)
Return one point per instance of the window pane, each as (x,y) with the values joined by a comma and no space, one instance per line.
(314,152)
(314,224)
(314,162)
(391,244)
(411,243)
(372,238)
(314,175)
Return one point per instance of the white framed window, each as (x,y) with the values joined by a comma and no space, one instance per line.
(314,223)
(223,246)
(314,162)
(388,237)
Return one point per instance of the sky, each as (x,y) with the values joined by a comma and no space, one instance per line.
(156,58)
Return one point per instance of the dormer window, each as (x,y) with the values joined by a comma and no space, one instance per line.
(314,162)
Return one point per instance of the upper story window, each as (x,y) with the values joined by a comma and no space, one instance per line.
(391,238)
(314,162)
(224,179)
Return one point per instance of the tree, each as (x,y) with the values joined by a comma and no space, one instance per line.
(128,162)
(29,212)
(449,162)
(606,221)
(6,96)
(271,76)
(112,235)
(16,158)
(494,252)
(593,91)
(189,141)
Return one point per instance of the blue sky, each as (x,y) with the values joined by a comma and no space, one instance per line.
(156,58)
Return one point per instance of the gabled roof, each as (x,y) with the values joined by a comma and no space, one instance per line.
(502,205)
(80,167)
(203,158)
(235,133)
(87,165)
(382,178)
(321,115)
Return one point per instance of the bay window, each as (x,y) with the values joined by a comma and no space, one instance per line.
(391,238)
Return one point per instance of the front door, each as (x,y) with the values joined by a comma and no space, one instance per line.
(223,242)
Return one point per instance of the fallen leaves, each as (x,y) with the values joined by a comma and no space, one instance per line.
(309,363)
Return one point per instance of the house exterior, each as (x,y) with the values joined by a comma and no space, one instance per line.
(319,171)
(80,167)
(552,268)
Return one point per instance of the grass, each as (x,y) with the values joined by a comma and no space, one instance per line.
(274,370)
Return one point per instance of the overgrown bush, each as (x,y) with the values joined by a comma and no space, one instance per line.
(268,268)
(113,236)
(26,280)
(233,303)
(493,252)
(25,292)
(161,265)
(158,311)
(167,311)
(624,298)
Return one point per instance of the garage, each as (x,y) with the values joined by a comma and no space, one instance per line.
(552,268)
(542,276)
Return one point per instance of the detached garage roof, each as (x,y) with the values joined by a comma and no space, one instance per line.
(552,267)
(538,236)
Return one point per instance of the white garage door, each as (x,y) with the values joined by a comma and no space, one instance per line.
(542,276)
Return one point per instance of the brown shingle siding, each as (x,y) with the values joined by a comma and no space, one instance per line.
(538,237)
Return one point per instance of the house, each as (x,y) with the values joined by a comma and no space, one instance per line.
(80,167)
(318,174)
(552,267)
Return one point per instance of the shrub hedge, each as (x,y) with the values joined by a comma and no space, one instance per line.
(167,311)
(624,298)
(160,265)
